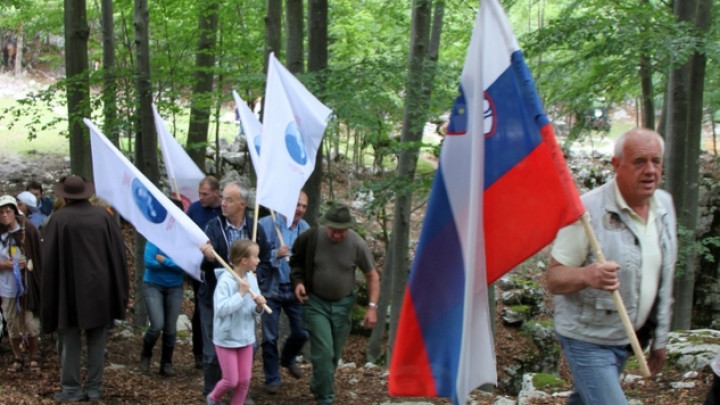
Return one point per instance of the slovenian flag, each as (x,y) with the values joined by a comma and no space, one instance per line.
(252,128)
(142,204)
(501,192)
(183,174)
(293,127)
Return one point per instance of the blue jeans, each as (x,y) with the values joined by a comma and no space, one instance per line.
(163,308)
(293,345)
(211,366)
(596,372)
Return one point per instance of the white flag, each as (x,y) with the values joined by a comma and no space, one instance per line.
(152,213)
(252,128)
(293,127)
(183,174)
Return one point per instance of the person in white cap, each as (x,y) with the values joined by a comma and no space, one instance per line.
(27,204)
(20,263)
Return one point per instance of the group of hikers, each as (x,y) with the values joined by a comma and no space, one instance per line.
(67,274)
(72,279)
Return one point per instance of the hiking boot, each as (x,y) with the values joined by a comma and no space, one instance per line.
(64,396)
(144,365)
(272,389)
(295,371)
(167,370)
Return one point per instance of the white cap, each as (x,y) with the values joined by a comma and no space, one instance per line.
(28,199)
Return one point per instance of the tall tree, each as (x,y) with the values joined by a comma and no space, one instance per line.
(78,85)
(201,98)
(273,29)
(420,76)
(145,137)
(109,96)
(317,64)
(294,36)
(685,111)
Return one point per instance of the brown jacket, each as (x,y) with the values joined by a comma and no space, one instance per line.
(84,278)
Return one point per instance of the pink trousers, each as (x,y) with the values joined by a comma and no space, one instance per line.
(236,366)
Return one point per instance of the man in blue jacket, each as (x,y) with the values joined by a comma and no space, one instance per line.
(235,223)
(277,289)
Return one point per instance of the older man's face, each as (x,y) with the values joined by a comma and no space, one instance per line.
(639,171)
(233,204)
(336,235)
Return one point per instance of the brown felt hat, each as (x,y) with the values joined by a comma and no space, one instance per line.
(74,187)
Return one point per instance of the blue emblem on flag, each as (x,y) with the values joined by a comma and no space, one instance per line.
(295,144)
(257,141)
(148,205)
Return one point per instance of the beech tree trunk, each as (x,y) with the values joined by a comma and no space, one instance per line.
(202,93)
(78,86)
(317,63)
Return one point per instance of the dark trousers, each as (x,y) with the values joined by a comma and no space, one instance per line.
(713,396)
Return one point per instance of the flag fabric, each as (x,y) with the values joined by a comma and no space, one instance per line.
(252,128)
(501,192)
(293,127)
(152,213)
(183,174)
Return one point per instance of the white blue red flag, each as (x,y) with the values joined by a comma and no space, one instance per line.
(293,126)
(152,213)
(501,192)
(183,174)
(252,128)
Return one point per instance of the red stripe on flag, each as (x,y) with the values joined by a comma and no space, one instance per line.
(524,209)
(410,367)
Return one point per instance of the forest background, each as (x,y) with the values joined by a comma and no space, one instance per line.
(385,67)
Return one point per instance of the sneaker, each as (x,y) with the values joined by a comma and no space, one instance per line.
(295,371)
(249,401)
(211,402)
(64,396)
(272,389)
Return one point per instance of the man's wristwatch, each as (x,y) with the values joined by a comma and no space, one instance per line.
(372,304)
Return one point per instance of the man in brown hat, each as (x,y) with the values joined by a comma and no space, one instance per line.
(85,286)
(323,264)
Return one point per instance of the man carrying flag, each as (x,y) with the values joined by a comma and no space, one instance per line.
(501,192)
(636,226)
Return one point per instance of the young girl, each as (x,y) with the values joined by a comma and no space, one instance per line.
(234,322)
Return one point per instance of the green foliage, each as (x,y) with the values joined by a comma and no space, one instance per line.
(545,380)
(689,246)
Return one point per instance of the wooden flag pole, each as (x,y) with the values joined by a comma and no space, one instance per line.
(279,234)
(228,268)
(637,350)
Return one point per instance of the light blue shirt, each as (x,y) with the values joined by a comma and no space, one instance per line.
(288,238)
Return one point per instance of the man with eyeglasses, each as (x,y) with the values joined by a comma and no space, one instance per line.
(234,223)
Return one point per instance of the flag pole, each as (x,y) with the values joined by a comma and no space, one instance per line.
(279,234)
(237,278)
(255,221)
(622,311)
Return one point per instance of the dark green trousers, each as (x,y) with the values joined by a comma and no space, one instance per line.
(328,323)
